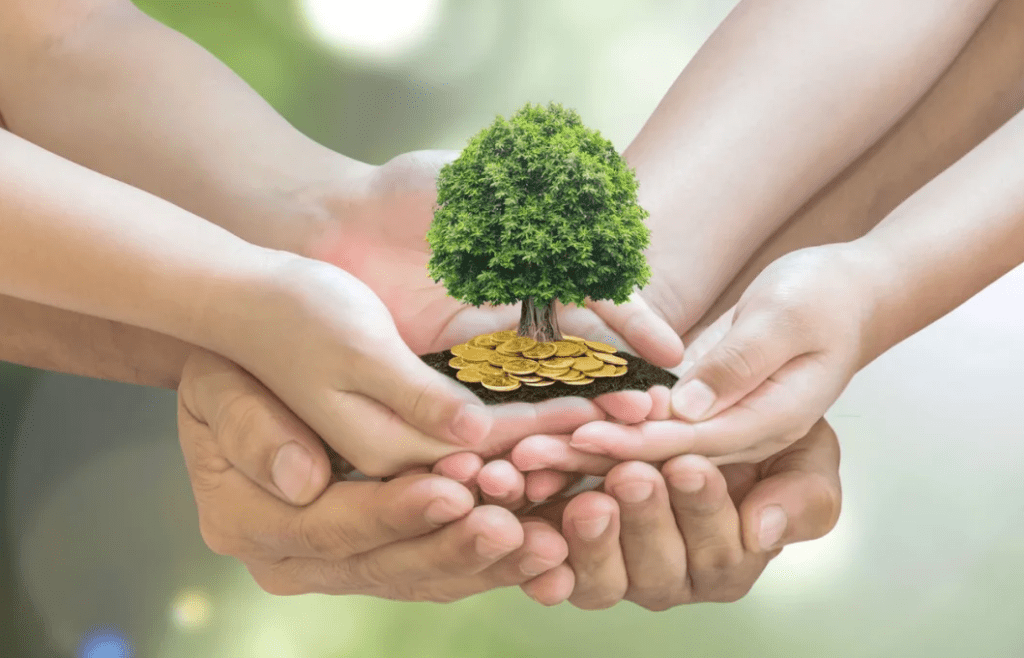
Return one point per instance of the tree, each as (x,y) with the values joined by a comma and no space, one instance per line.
(538,208)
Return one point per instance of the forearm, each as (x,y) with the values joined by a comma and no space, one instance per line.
(779,100)
(76,240)
(982,90)
(947,242)
(53,339)
(126,96)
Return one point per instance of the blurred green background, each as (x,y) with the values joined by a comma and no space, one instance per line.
(100,536)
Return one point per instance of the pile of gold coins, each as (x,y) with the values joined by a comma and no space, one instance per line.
(504,361)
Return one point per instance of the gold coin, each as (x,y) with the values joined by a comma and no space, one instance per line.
(610,358)
(475,354)
(578,382)
(584,363)
(503,336)
(459,350)
(541,351)
(575,339)
(527,379)
(598,346)
(568,348)
(521,367)
(558,362)
(551,372)
(620,371)
(569,376)
(469,375)
(607,371)
(459,363)
(498,359)
(499,383)
(487,369)
(484,341)
(518,344)
(540,382)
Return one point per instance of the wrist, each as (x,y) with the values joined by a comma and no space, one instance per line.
(875,300)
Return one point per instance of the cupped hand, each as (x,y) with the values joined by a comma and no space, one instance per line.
(692,532)
(382,241)
(764,373)
(262,485)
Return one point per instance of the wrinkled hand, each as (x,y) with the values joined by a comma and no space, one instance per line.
(261,480)
(692,532)
(762,374)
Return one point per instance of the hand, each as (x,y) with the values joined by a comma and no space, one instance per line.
(381,240)
(692,532)
(763,374)
(260,479)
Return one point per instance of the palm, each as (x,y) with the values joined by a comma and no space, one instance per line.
(384,245)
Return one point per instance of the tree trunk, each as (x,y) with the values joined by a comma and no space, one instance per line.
(539,322)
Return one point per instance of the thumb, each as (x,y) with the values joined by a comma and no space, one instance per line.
(252,430)
(646,331)
(433,403)
(752,350)
(799,497)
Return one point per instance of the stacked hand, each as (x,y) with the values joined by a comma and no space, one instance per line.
(419,537)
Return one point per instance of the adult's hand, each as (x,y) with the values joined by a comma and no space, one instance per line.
(263,489)
(692,532)
(380,239)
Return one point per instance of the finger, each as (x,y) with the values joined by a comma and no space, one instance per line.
(486,535)
(763,423)
(542,485)
(717,566)
(756,347)
(800,495)
(590,525)
(463,467)
(651,337)
(652,545)
(355,517)
(548,452)
(514,421)
(395,570)
(552,587)
(251,429)
(502,484)
(626,406)
(434,404)
(661,408)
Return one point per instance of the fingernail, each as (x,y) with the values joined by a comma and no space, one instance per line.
(773,524)
(533,565)
(443,511)
(491,550)
(692,400)
(291,471)
(591,529)
(470,425)
(688,481)
(634,492)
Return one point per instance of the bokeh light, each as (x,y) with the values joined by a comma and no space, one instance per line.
(380,29)
(104,644)
(190,609)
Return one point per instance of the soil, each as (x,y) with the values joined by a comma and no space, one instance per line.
(641,376)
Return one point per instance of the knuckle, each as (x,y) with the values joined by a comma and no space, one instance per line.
(324,539)
(738,363)
(599,600)
(239,419)
(656,599)
(215,538)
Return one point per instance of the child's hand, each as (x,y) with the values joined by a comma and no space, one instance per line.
(763,374)
(324,343)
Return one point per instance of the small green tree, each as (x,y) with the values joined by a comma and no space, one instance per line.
(538,208)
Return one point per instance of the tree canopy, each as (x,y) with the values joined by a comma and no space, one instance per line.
(538,206)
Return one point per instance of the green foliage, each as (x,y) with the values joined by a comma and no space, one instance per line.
(538,206)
